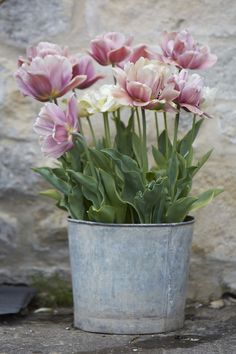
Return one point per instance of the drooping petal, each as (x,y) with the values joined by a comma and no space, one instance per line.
(118,55)
(72,84)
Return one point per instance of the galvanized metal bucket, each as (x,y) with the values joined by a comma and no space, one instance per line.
(129,279)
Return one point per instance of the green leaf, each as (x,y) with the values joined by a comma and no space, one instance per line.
(162,143)
(137,148)
(105,214)
(75,203)
(202,161)
(75,159)
(172,173)
(123,137)
(90,187)
(159,158)
(112,196)
(146,201)
(133,180)
(51,177)
(185,144)
(101,160)
(178,210)
(205,198)
(51,193)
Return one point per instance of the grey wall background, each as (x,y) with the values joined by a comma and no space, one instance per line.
(32,232)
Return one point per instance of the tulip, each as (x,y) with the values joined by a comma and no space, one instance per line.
(144,84)
(47,78)
(110,48)
(55,128)
(84,66)
(101,100)
(191,88)
(184,52)
(41,50)
(141,50)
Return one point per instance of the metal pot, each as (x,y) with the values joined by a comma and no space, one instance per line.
(129,278)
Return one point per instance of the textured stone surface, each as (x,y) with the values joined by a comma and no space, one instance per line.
(24,22)
(31,222)
(206,331)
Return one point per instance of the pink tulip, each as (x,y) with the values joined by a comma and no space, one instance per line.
(141,50)
(47,78)
(55,128)
(110,48)
(84,66)
(191,91)
(41,50)
(184,52)
(144,84)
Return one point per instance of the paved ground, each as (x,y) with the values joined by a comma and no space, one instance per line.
(206,331)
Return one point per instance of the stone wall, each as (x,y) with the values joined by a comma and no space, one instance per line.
(32,232)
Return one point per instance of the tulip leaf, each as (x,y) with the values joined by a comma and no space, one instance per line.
(185,144)
(76,203)
(202,161)
(172,173)
(123,137)
(112,196)
(178,210)
(146,201)
(162,144)
(51,193)
(104,214)
(51,177)
(205,198)
(90,187)
(137,148)
(159,158)
(101,160)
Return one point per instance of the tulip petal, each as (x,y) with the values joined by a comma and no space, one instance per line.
(72,84)
(118,55)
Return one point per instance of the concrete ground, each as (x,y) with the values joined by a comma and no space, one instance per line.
(207,330)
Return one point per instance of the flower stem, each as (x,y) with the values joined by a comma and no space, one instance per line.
(139,125)
(113,65)
(86,150)
(92,131)
(157,126)
(145,158)
(176,129)
(80,126)
(166,135)
(192,139)
(107,129)
(55,101)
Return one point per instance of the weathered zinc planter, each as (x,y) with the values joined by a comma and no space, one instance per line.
(129,279)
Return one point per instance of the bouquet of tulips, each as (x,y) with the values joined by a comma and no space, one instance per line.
(111,178)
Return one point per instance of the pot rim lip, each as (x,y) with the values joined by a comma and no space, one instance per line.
(190,221)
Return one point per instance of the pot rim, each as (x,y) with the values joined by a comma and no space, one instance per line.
(190,220)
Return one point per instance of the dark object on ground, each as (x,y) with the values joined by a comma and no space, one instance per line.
(206,331)
(13,298)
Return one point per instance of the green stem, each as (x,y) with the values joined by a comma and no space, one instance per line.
(157,126)
(192,138)
(166,135)
(55,101)
(176,129)
(86,150)
(139,125)
(145,158)
(107,129)
(80,126)
(92,131)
